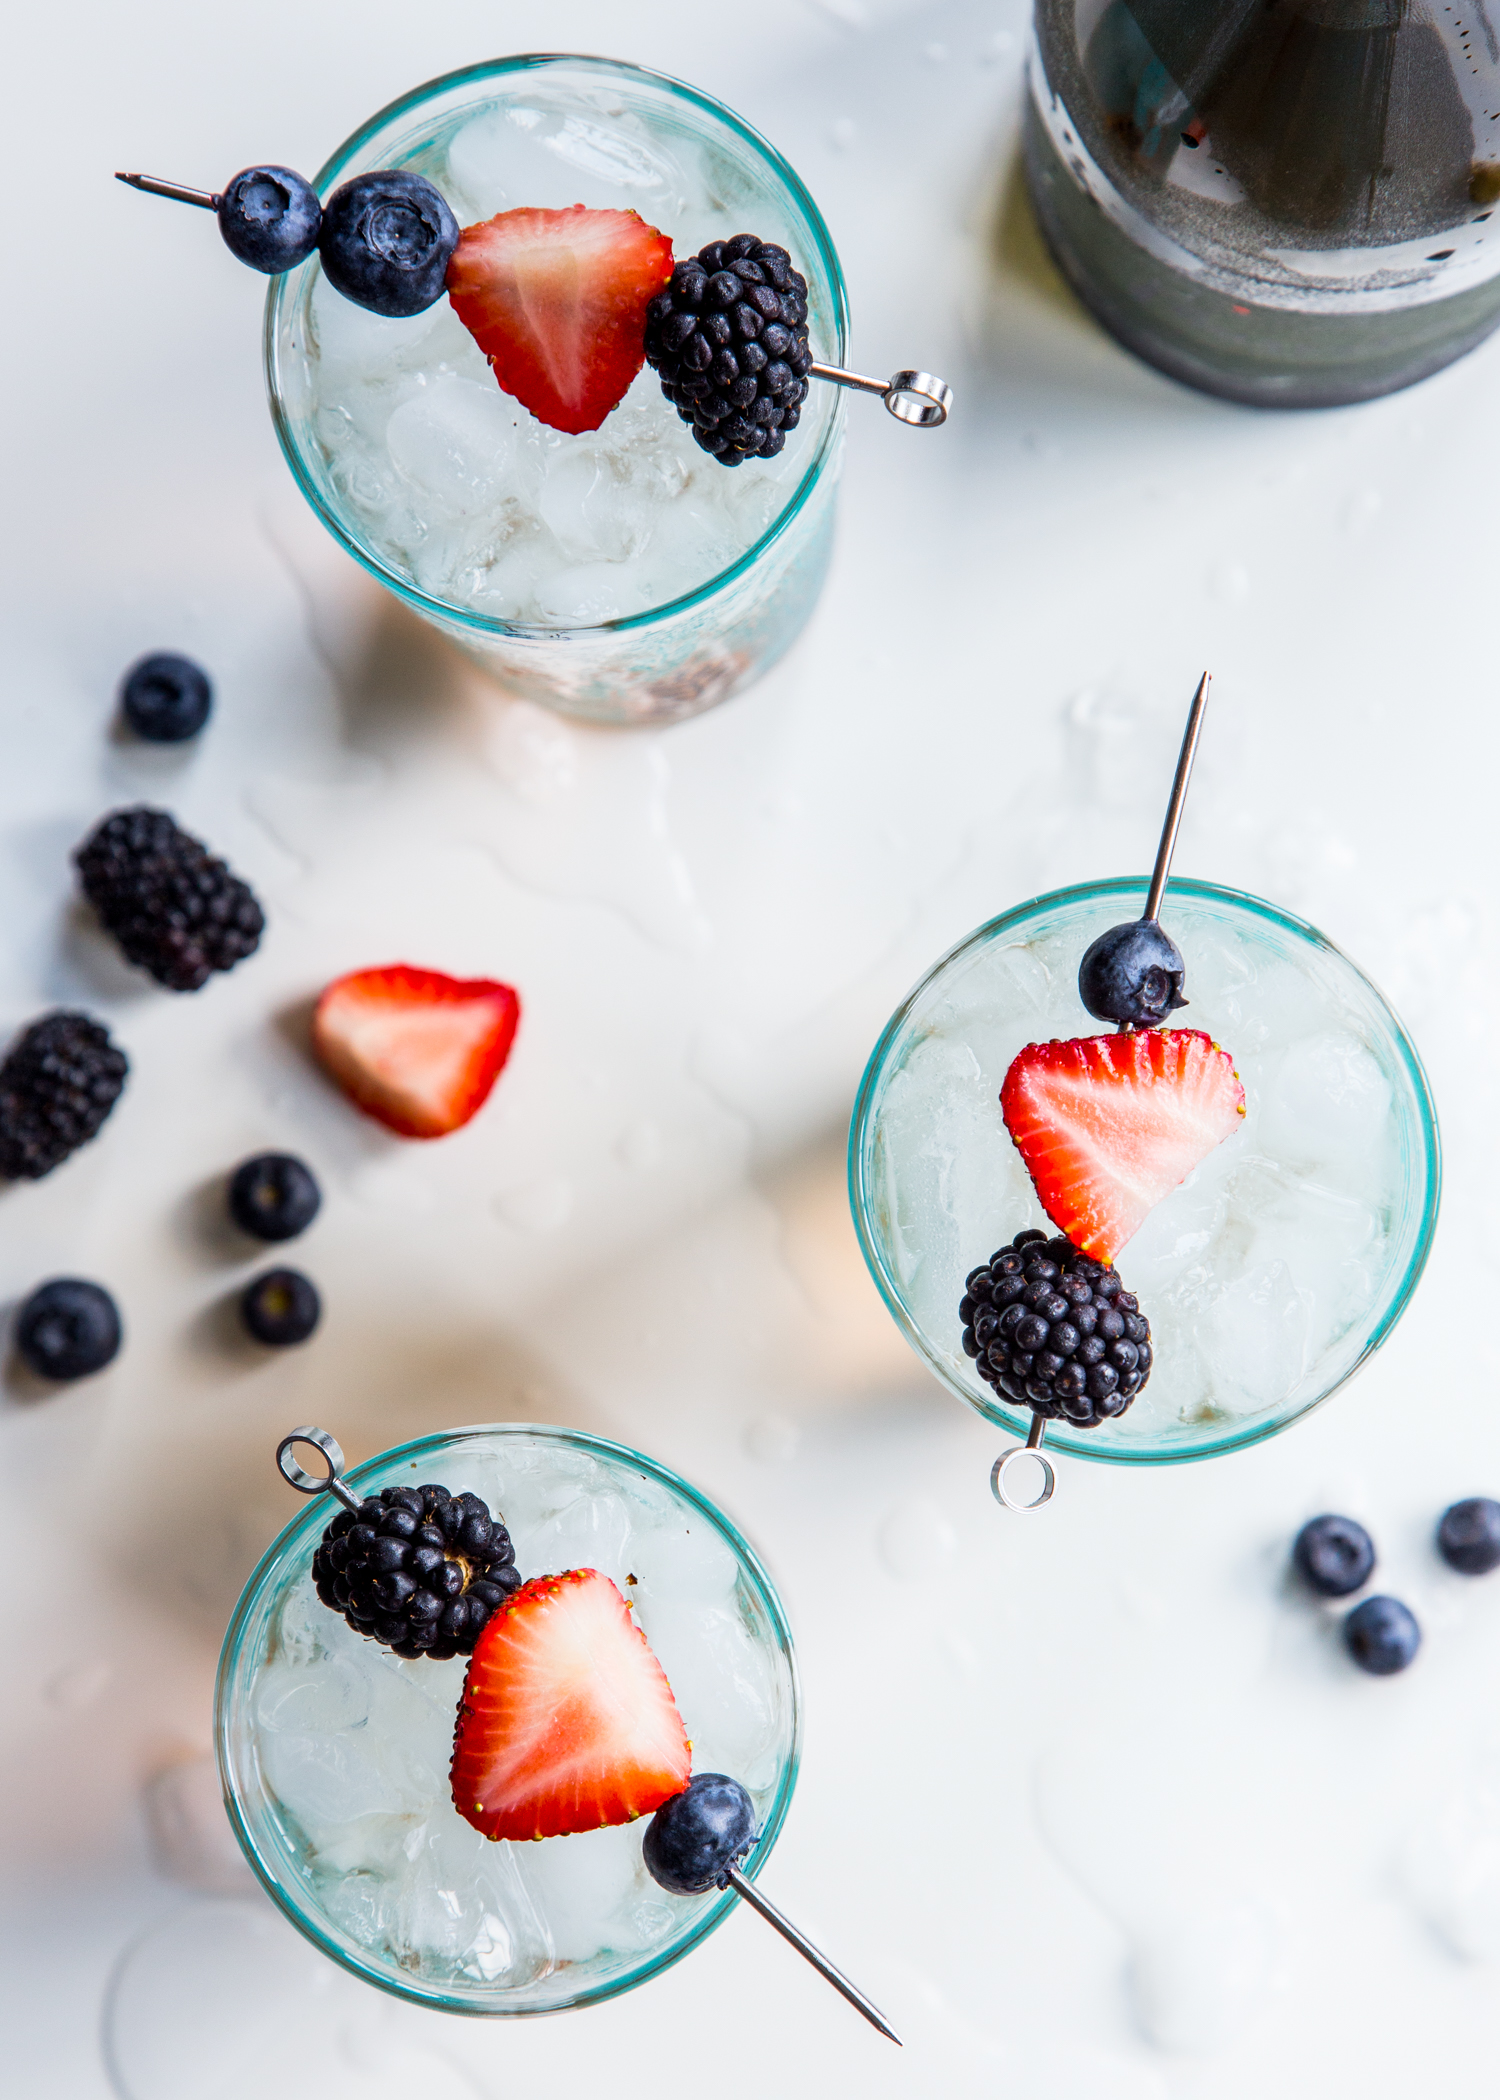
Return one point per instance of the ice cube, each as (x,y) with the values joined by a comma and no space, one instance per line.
(721,1682)
(453,442)
(591,512)
(1256,1344)
(1327,1104)
(352,340)
(584,596)
(592,1531)
(591,1888)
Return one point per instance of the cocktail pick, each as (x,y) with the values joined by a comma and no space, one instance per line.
(1132,975)
(330,1483)
(920,399)
(695,1841)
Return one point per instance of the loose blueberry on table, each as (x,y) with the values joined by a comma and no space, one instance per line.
(1468,1536)
(274,1196)
(68,1328)
(280,1308)
(1334,1555)
(166,699)
(1382,1636)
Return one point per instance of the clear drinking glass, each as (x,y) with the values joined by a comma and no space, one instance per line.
(552,131)
(1280,1264)
(334,1753)
(1292,206)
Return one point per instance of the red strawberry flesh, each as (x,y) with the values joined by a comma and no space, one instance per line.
(1110,1124)
(567,1721)
(415,1049)
(557,302)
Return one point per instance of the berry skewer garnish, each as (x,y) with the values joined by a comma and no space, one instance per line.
(1107,1126)
(417,1569)
(566,305)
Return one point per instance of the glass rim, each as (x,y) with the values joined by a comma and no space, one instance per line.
(313,1517)
(464,617)
(1075,1443)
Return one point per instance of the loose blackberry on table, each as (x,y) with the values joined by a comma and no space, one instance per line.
(1053,1330)
(728,339)
(173,907)
(58,1083)
(417,1569)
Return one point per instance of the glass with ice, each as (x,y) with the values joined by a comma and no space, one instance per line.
(1281,1262)
(621,574)
(335,1752)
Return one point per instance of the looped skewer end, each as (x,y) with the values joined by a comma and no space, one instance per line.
(918,398)
(330,1483)
(1017,1455)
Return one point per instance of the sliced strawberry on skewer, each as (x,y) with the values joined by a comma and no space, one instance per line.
(567,1721)
(1109,1124)
(557,302)
(416,1050)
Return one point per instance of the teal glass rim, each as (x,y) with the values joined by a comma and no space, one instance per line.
(280,291)
(1060,1439)
(310,1521)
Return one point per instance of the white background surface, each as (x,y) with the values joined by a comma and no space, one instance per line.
(1092,1805)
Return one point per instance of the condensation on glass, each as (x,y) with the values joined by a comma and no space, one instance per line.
(1288,202)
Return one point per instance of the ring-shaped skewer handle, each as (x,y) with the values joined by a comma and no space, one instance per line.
(1032,1448)
(329,1483)
(918,398)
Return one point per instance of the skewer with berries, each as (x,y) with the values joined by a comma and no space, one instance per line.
(566,305)
(1107,1126)
(566,1721)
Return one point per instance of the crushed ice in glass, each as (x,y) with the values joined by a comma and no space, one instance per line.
(1259,1273)
(455,485)
(353,1744)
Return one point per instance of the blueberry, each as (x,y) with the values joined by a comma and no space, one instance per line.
(270,219)
(1132,974)
(1333,1555)
(68,1328)
(273,1196)
(280,1307)
(166,698)
(1382,1636)
(387,240)
(696,1837)
(1468,1536)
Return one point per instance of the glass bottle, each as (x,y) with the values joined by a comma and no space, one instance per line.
(1290,203)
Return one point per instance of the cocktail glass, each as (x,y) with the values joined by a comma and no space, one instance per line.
(673,581)
(1281,1263)
(334,1752)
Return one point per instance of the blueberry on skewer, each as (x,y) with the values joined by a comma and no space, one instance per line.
(269,216)
(1132,975)
(387,240)
(695,1842)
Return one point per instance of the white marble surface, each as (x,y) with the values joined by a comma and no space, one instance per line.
(1092,1804)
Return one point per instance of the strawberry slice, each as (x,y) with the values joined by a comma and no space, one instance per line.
(1109,1124)
(557,302)
(567,1721)
(416,1050)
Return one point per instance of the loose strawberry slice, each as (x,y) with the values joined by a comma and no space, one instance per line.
(567,1721)
(1109,1124)
(416,1050)
(557,302)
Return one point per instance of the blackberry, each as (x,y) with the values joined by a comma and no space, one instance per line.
(417,1569)
(728,339)
(174,909)
(1056,1331)
(58,1084)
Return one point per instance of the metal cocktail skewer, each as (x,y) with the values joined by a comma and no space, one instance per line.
(809,1952)
(1165,849)
(333,1483)
(918,398)
(1180,781)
